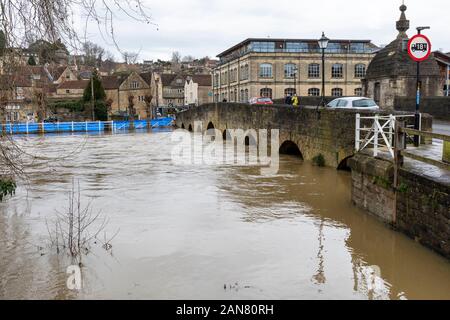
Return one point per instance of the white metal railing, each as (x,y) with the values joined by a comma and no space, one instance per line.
(379,135)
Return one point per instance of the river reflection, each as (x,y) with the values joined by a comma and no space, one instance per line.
(189,232)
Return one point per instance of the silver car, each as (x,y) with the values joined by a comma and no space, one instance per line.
(354,103)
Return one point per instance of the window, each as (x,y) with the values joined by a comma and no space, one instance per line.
(360,71)
(265,70)
(313,92)
(67,91)
(290,70)
(314,70)
(246,95)
(134,85)
(263,46)
(377,92)
(364,103)
(296,47)
(241,97)
(337,70)
(337,92)
(266,93)
(358,92)
(216,80)
(290,91)
(342,103)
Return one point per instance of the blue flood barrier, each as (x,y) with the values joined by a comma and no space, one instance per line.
(54,127)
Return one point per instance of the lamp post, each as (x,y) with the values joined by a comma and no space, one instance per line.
(295,80)
(323,44)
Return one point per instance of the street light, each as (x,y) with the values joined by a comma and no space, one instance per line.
(323,44)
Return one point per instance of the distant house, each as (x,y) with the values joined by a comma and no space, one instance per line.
(119,88)
(168,89)
(198,90)
(71,89)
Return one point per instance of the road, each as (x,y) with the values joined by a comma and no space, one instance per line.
(442,127)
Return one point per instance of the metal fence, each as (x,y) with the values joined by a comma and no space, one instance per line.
(86,126)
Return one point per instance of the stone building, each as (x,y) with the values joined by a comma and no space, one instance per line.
(276,67)
(392,73)
(168,89)
(119,88)
(197,90)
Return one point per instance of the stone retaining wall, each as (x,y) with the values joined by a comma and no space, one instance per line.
(419,207)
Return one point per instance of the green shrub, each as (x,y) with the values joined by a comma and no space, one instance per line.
(7,187)
(319,160)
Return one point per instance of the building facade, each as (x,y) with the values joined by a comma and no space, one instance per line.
(277,67)
(197,90)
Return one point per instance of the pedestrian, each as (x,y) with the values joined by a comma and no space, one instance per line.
(288,99)
(295,101)
(224,100)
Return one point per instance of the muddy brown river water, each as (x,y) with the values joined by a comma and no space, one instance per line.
(204,232)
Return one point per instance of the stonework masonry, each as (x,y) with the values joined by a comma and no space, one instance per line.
(419,207)
(330,133)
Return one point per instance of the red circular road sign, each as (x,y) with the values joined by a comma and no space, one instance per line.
(419,48)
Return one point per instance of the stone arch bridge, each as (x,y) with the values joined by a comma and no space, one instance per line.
(303,131)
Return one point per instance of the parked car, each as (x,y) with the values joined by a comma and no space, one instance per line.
(355,103)
(260,100)
(51,120)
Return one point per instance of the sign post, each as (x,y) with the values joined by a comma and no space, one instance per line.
(419,49)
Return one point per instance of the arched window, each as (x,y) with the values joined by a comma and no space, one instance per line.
(313,70)
(358,92)
(337,70)
(337,92)
(290,91)
(360,70)
(290,70)
(246,96)
(241,97)
(247,72)
(265,70)
(266,93)
(313,92)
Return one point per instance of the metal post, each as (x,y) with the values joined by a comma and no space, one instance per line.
(92,97)
(99,126)
(86,126)
(391,129)
(358,132)
(27,127)
(448,81)
(375,136)
(72,127)
(323,77)
(417,114)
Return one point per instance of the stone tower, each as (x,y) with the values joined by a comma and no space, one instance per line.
(392,73)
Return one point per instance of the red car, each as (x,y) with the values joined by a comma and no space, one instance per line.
(260,101)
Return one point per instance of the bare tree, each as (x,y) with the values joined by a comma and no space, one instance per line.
(130,57)
(93,54)
(50,25)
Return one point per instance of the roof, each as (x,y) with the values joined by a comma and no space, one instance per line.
(167,78)
(203,80)
(147,76)
(78,84)
(247,41)
(393,60)
(56,71)
(112,82)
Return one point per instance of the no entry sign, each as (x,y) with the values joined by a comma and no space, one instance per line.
(419,48)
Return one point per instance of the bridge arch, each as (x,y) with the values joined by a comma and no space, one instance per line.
(210,126)
(190,128)
(290,148)
(343,165)
(182,126)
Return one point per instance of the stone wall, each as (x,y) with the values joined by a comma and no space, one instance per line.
(418,207)
(438,107)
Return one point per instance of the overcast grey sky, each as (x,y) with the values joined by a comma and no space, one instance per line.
(207,27)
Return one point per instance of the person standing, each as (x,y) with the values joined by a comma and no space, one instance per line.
(288,99)
(295,101)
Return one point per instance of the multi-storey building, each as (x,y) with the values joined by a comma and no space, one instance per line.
(277,67)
